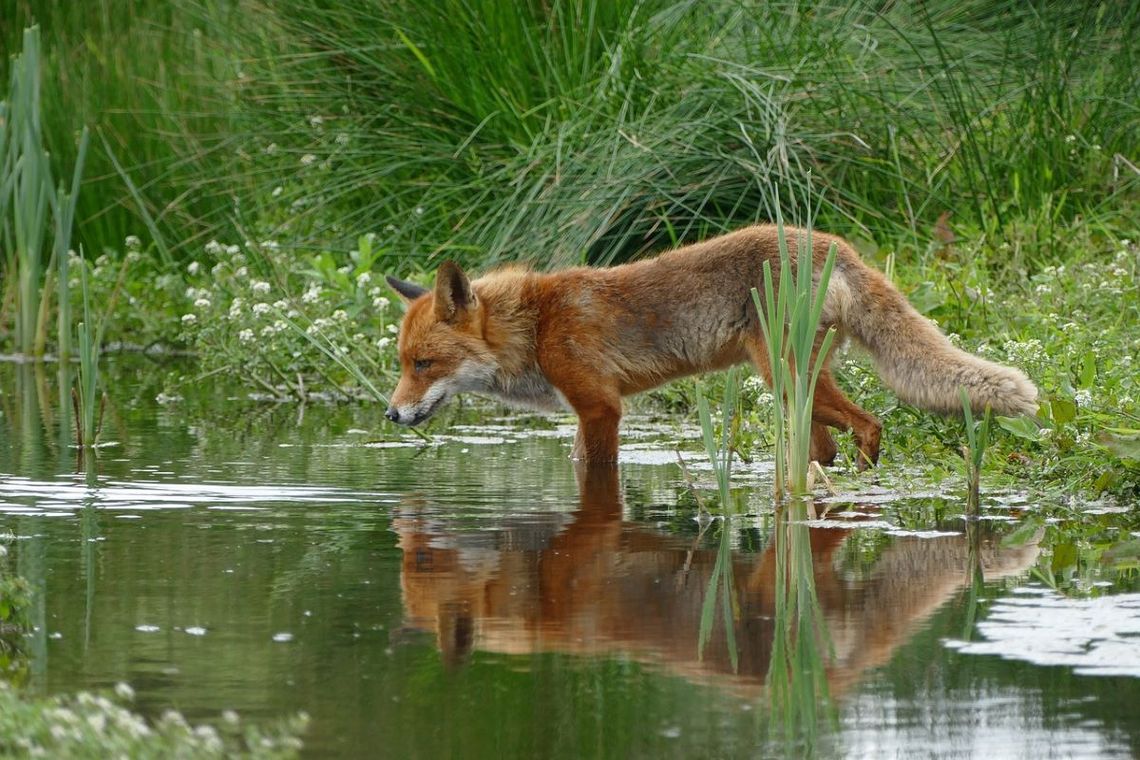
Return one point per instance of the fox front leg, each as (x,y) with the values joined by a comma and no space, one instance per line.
(597,439)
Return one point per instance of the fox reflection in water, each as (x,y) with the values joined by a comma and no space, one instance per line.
(592,583)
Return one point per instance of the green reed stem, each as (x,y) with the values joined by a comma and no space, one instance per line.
(790,317)
(977,440)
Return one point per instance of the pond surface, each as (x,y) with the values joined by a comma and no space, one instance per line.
(479,597)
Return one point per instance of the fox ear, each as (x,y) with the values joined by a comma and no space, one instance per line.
(453,296)
(408,291)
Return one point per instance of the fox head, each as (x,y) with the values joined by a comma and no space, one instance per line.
(442,346)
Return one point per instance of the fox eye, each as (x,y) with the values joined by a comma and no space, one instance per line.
(421,365)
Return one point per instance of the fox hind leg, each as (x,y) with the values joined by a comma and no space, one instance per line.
(831,408)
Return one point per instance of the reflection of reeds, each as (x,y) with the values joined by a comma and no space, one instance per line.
(801,646)
(721,585)
(790,318)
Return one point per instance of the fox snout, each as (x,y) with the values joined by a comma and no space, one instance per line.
(414,414)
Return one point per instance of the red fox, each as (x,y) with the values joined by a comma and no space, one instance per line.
(585,337)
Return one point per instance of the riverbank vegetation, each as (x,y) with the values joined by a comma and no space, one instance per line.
(255,168)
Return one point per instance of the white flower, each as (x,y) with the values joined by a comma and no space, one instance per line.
(277,191)
(202,303)
(280,325)
(270,149)
(270,245)
(316,121)
(312,295)
(340,315)
(281,305)
(133,243)
(189,319)
(419,210)
(233,250)
(241,272)
(393,329)
(383,343)
(259,286)
(235,308)
(342,138)
(1083,397)
(261,308)
(308,159)
(363,278)
(214,248)
(1070,138)
(193,267)
(246,335)
(124,691)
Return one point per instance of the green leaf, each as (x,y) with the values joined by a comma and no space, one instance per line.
(1064,556)
(1124,446)
(1063,410)
(1026,428)
(1088,370)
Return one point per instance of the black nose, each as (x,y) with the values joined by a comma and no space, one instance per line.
(392,414)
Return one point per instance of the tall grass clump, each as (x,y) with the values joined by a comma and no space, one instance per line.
(25,182)
(27,198)
(159,81)
(790,315)
(585,129)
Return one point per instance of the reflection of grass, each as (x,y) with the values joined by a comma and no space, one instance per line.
(797,672)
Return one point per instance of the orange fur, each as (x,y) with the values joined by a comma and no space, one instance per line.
(583,338)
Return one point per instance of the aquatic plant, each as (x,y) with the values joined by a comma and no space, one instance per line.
(86,393)
(977,439)
(720,452)
(721,585)
(790,315)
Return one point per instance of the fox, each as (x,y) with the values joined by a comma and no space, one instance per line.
(583,338)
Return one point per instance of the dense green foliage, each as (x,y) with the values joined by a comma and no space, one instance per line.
(991,147)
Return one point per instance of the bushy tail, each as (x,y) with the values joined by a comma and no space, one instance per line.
(915,359)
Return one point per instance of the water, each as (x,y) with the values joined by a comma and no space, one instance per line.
(478,597)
